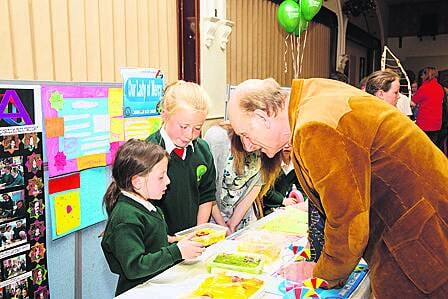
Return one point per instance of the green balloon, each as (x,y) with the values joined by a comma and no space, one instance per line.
(288,15)
(310,8)
(302,26)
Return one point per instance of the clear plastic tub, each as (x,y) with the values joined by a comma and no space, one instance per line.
(265,243)
(236,262)
(207,233)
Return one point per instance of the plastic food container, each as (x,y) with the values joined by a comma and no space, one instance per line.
(207,233)
(237,262)
(265,243)
(227,286)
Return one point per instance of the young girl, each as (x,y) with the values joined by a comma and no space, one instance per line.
(189,198)
(241,180)
(238,181)
(135,241)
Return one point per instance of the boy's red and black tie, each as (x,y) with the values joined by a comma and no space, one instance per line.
(179,151)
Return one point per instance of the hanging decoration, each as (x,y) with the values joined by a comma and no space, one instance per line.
(390,61)
(294,17)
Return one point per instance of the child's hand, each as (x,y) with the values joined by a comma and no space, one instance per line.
(231,226)
(289,201)
(172,239)
(190,249)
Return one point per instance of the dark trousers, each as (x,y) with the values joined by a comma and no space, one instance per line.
(439,138)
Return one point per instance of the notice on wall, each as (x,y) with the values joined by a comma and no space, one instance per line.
(142,91)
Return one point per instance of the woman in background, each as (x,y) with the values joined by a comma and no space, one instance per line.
(429,97)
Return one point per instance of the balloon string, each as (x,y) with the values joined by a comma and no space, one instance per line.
(284,54)
(298,56)
(292,53)
(303,50)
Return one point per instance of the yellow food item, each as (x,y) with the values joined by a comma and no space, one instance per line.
(208,236)
(223,286)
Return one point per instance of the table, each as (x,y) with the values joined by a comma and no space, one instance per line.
(178,281)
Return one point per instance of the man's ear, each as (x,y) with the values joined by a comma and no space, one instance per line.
(263,117)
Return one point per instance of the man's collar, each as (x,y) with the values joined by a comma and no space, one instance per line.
(169,144)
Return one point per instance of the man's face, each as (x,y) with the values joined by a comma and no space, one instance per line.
(256,131)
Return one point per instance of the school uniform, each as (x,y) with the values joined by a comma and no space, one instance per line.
(282,187)
(192,182)
(135,242)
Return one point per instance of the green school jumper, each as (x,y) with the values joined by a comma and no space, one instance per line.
(135,244)
(274,197)
(192,184)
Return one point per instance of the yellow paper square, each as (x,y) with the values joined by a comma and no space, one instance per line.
(115,102)
(67,214)
(137,127)
(292,221)
(91,161)
(116,129)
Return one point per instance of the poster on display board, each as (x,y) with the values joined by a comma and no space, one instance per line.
(142,90)
(83,131)
(23,257)
(84,127)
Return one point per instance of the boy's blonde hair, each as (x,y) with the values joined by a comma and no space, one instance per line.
(184,93)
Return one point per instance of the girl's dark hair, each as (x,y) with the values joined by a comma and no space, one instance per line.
(135,157)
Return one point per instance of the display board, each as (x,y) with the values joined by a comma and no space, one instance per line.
(84,127)
(23,256)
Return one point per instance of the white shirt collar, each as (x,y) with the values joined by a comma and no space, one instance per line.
(169,144)
(144,203)
(287,168)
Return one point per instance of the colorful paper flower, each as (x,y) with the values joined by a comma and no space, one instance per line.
(303,255)
(315,283)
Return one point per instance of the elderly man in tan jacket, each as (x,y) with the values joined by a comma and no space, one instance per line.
(379,180)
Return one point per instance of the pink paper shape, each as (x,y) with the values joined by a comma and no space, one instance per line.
(52,150)
(60,160)
(110,157)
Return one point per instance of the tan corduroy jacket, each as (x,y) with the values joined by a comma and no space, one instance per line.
(381,183)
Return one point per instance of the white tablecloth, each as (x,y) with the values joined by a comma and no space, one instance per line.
(183,278)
